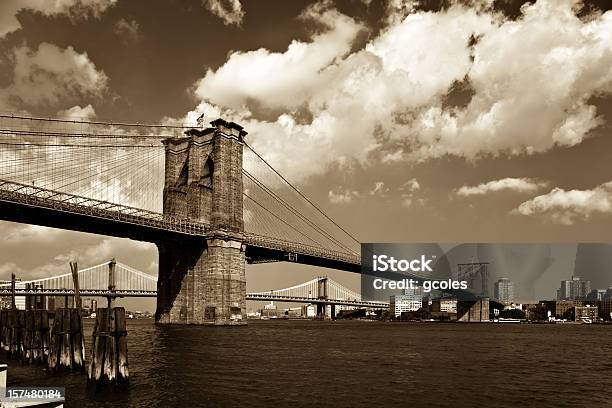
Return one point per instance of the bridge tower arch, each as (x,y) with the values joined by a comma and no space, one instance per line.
(202,280)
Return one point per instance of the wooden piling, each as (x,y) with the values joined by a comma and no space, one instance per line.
(109,361)
(36,337)
(3,330)
(15,328)
(28,336)
(67,346)
(111,283)
(74,269)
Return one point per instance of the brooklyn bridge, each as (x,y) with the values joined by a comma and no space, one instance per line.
(203,195)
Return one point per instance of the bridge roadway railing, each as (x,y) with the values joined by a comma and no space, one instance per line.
(82,292)
(39,197)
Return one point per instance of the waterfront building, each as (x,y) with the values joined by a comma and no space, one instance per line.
(338,308)
(410,301)
(270,310)
(310,311)
(576,288)
(504,291)
(560,308)
(293,312)
(446,305)
(588,312)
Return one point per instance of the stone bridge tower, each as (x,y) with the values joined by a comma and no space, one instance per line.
(202,280)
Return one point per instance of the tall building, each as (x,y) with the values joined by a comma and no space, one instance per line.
(504,291)
(596,294)
(576,288)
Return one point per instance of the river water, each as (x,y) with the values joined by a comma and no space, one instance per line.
(353,364)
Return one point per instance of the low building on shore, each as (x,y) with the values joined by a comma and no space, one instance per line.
(585,313)
(399,304)
(447,305)
(561,309)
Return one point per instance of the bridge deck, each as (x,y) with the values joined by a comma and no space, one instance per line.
(35,205)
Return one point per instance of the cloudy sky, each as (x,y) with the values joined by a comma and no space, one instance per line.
(408,121)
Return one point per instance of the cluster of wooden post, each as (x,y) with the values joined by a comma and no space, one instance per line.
(26,335)
(109,362)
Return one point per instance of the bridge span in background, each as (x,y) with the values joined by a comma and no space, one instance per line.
(129,282)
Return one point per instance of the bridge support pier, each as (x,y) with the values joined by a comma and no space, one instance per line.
(321,310)
(202,284)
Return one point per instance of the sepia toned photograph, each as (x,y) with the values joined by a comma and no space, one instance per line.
(338,203)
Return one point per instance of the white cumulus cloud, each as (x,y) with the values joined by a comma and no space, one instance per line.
(229,11)
(127,29)
(277,79)
(78,113)
(342,196)
(531,82)
(49,73)
(566,206)
(521,185)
